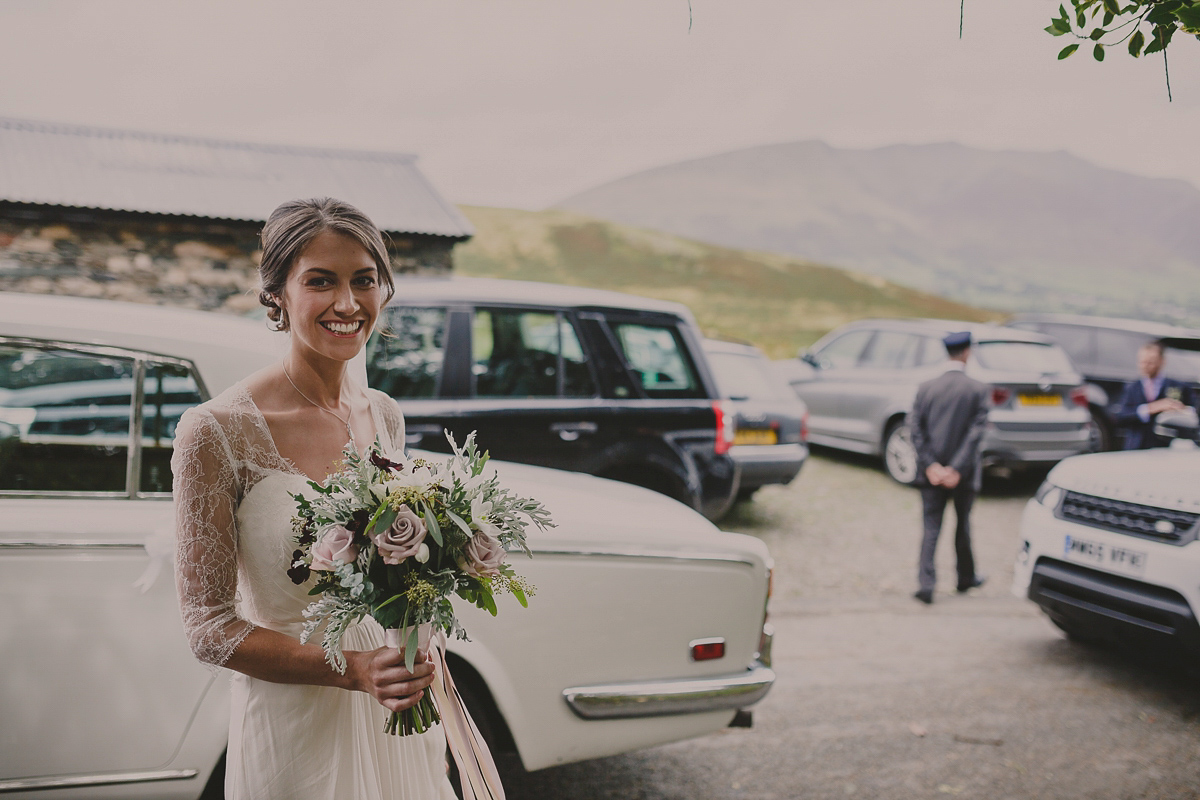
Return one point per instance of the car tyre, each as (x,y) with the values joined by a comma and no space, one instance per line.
(899,454)
(1100,438)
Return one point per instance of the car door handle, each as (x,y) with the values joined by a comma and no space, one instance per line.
(569,431)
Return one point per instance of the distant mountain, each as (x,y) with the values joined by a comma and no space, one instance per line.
(1032,231)
(777,302)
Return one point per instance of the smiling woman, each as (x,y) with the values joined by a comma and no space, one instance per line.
(298,729)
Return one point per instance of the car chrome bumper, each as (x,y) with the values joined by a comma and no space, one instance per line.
(768,463)
(661,698)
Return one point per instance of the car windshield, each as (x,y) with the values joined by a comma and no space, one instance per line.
(1022,357)
(745,377)
(1182,365)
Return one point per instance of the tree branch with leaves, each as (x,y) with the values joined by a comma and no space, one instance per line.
(1111,23)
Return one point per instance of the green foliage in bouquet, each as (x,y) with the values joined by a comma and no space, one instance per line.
(397,540)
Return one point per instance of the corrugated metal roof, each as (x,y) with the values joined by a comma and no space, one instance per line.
(70,165)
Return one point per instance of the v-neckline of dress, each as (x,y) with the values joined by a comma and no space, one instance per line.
(287,462)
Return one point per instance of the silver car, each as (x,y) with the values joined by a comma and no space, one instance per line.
(859,382)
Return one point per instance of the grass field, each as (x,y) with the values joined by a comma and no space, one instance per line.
(776,302)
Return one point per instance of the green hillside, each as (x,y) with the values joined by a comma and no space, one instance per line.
(777,302)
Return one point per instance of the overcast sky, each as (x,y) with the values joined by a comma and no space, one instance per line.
(524,102)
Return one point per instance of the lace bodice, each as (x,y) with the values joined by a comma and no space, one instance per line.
(233,510)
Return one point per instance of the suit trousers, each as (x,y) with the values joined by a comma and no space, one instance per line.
(933,506)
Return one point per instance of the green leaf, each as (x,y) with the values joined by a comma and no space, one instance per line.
(1066,51)
(1111,7)
(1081,19)
(1189,18)
(431,523)
(1108,19)
(519,593)
(1097,34)
(1135,44)
(1054,30)
(410,649)
(383,521)
(1098,52)
(460,523)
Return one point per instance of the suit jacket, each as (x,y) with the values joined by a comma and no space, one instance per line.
(947,423)
(1140,435)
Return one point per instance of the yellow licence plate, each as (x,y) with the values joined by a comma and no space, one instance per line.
(1040,399)
(756,437)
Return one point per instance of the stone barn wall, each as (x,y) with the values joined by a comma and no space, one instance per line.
(148,258)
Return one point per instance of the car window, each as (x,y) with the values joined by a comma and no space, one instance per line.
(64,420)
(1077,340)
(656,355)
(932,351)
(408,362)
(845,350)
(746,377)
(1116,351)
(1182,365)
(528,354)
(170,389)
(1022,357)
(891,350)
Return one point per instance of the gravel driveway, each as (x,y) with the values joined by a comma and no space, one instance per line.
(977,696)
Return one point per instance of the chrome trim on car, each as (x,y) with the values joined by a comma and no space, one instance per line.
(78,544)
(662,698)
(648,552)
(103,779)
(133,464)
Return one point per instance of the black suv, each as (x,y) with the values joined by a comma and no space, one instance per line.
(580,379)
(1104,351)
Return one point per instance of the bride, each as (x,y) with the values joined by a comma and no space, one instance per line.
(297,728)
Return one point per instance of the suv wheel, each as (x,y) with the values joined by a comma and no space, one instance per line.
(1100,438)
(899,455)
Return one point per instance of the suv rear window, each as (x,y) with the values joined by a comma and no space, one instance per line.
(746,377)
(1022,357)
(516,353)
(655,353)
(408,362)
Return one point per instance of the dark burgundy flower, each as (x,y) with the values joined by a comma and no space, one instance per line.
(384,463)
(299,572)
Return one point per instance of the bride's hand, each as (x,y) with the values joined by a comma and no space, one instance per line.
(381,674)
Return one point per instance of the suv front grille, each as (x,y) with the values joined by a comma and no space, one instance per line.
(1148,522)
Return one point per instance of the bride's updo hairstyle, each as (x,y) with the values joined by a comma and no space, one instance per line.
(292,226)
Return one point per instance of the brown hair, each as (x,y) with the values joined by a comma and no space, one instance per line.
(289,230)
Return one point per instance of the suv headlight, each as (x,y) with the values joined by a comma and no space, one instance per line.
(1048,494)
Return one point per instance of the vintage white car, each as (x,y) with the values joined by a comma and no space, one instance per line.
(1110,545)
(649,624)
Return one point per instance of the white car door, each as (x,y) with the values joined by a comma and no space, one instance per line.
(98,677)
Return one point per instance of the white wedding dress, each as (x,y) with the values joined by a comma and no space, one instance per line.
(234,546)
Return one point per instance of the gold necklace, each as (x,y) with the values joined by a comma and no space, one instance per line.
(336,416)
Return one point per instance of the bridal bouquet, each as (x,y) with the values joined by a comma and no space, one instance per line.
(396,540)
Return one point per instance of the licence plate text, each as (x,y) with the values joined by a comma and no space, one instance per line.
(1040,399)
(752,436)
(1117,559)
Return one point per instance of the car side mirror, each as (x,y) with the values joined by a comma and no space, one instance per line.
(1178,425)
(810,359)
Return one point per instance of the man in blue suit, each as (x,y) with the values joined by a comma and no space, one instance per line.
(1148,397)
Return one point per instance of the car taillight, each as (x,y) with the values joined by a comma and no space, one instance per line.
(804,428)
(1079,397)
(707,649)
(1000,396)
(726,427)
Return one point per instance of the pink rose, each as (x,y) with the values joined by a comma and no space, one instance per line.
(403,539)
(483,555)
(336,544)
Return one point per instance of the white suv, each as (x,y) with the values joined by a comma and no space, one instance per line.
(1109,543)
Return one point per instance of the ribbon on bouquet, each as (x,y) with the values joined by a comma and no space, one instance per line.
(476,771)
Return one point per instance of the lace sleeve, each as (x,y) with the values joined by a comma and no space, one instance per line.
(206,533)
(392,417)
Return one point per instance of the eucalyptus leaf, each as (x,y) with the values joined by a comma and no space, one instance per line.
(410,649)
(1098,52)
(460,523)
(431,523)
(1066,51)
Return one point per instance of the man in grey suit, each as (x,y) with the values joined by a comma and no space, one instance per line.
(947,424)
